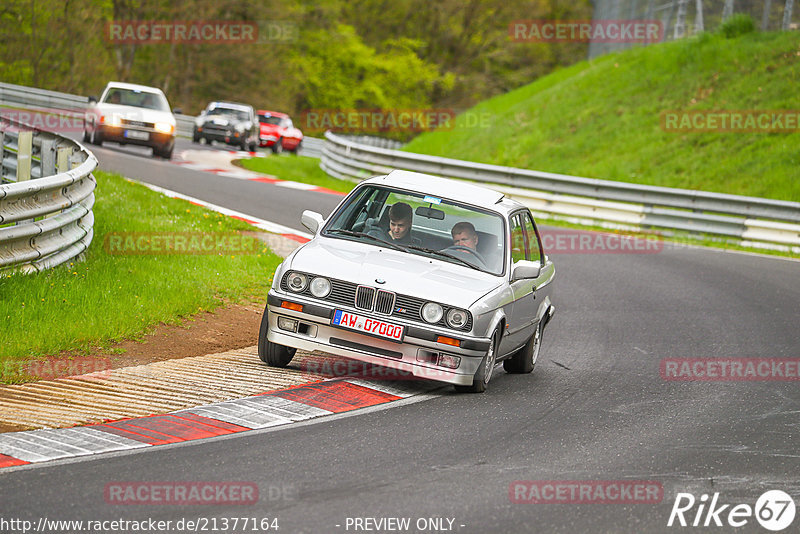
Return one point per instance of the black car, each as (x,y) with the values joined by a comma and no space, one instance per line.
(228,122)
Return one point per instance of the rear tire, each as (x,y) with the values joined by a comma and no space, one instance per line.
(271,353)
(484,372)
(524,361)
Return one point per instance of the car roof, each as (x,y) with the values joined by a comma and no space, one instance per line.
(273,113)
(447,188)
(232,105)
(134,87)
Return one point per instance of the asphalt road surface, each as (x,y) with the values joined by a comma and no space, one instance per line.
(596,408)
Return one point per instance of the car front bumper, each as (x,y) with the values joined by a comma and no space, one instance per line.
(122,134)
(414,355)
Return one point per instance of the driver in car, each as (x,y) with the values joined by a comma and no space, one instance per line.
(465,243)
(464,235)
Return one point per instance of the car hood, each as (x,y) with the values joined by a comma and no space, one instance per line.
(405,273)
(137,114)
(269,128)
(221,120)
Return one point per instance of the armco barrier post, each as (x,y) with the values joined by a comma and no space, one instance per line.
(24,154)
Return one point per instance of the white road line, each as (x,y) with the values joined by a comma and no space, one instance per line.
(257,222)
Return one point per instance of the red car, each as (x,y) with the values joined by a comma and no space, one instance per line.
(278,132)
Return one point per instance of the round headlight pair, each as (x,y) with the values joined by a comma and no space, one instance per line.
(297,282)
(456,318)
(432,312)
(320,287)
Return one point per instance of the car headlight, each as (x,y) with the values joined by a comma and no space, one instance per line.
(432,312)
(297,282)
(113,120)
(457,318)
(164,127)
(320,287)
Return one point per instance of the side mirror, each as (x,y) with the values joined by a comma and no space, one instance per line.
(178,111)
(92,99)
(525,269)
(312,220)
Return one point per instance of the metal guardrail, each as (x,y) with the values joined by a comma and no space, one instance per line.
(46,198)
(750,219)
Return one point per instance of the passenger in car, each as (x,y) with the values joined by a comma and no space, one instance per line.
(399,231)
(464,235)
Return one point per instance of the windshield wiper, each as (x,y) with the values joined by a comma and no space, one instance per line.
(446,255)
(362,234)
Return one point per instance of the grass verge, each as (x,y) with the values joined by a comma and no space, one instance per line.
(603,118)
(298,169)
(84,305)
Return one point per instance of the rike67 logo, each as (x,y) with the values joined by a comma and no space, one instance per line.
(774,511)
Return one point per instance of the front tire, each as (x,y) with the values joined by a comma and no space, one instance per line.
(163,152)
(271,353)
(277,147)
(524,361)
(96,138)
(481,379)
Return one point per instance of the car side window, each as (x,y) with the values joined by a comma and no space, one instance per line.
(533,250)
(517,240)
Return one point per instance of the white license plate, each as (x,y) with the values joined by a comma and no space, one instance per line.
(367,325)
(136,134)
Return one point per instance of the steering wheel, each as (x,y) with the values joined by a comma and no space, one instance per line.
(462,248)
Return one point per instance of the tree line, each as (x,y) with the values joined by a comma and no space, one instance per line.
(333,54)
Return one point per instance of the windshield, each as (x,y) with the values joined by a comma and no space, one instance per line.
(136,98)
(269,120)
(424,225)
(230,112)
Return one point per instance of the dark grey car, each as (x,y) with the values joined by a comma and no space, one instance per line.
(231,123)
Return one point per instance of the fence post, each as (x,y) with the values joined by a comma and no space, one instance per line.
(727,10)
(24,153)
(680,21)
(699,26)
(62,159)
(787,14)
(48,162)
